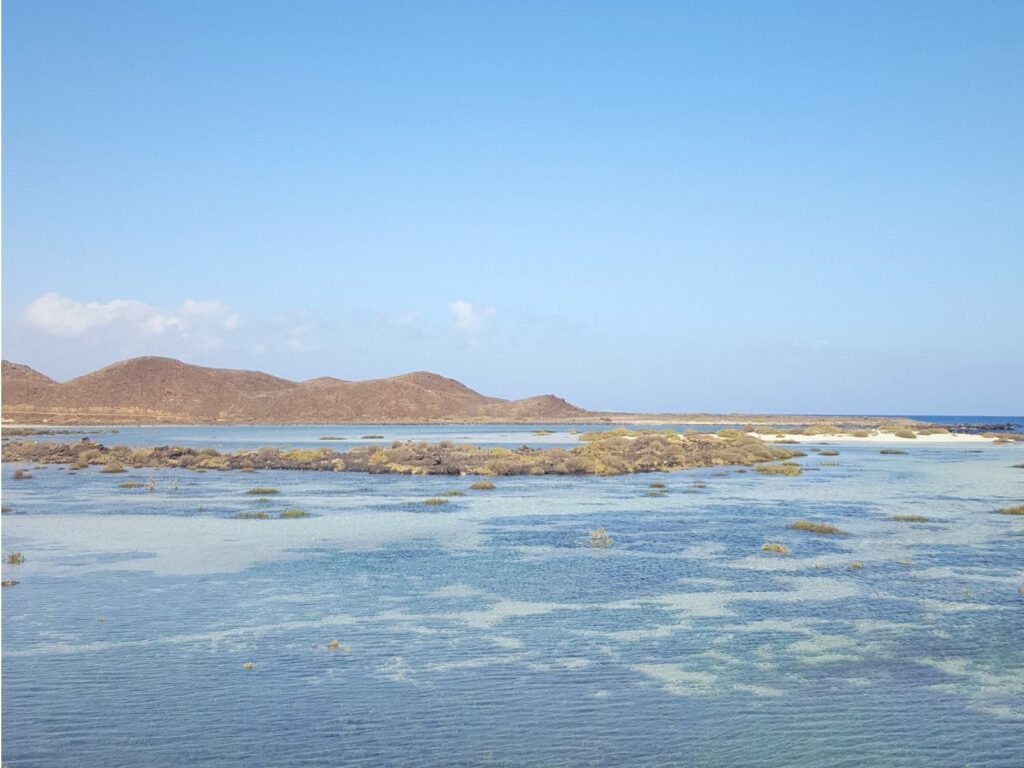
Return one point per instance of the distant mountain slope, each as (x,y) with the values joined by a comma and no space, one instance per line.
(147,390)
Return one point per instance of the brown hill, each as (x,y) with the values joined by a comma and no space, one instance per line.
(148,390)
(22,384)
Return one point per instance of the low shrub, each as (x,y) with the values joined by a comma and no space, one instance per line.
(130,484)
(21,474)
(435,502)
(1018,510)
(453,492)
(15,558)
(253,516)
(907,434)
(482,485)
(261,491)
(909,518)
(291,514)
(113,468)
(372,437)
(829,453)
(820,528)
(777,549)
(861,433)
(658,485)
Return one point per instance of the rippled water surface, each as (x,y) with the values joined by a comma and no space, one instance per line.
(486,632)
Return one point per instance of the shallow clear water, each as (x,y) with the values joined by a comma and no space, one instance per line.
(338,437)
(485,632)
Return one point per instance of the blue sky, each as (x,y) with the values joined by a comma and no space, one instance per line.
(798,207)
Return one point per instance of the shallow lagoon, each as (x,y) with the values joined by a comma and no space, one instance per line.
(485,632)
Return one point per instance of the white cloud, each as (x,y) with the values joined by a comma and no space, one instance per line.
(64,317)
(470,320)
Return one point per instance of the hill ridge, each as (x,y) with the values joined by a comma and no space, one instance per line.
(162,390)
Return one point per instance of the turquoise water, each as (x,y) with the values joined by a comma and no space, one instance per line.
(485,632)
(251,437)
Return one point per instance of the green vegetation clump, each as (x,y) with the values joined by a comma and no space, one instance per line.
(588,437)
(482,485)
(113,468)
(21,474)
(1018,510)
(892,452)
(787,468)
(15,558)
(861,433)
(453,492)
(776,549)
(599,539)
(822,429)
(542,432)
(262,491)
(129,484)
(907,434)
(910,518)
(435,502)
(829,453)
(856,565)
(291,514)
(823,529)
(253,516)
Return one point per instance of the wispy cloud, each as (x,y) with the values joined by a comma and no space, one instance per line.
(64,317)
(470,320)
(66,335)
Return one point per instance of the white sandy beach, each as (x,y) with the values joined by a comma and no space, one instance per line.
(878,437)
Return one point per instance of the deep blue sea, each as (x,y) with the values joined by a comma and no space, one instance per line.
(1016,421)
(156,628)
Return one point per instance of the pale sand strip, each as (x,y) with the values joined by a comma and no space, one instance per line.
(878,437)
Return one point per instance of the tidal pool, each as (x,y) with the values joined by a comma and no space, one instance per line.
(154,627)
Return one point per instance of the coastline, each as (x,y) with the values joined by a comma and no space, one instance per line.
(884,438)
(597,418)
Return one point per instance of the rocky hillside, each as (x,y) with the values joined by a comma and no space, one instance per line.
(150,390)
